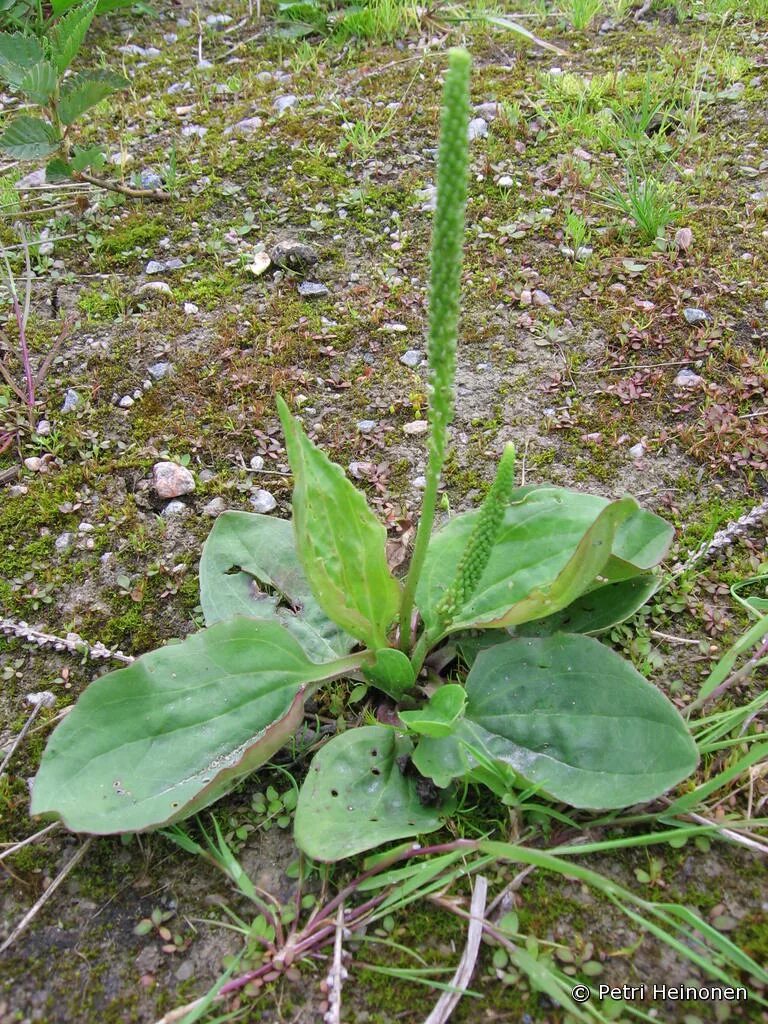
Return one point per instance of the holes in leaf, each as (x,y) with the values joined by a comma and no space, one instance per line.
(233,570)
(334,792)
(374,752)
(375,771)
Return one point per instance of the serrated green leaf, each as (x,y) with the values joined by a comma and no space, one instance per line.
(39,82)
(67,35)
(152,743)
(340,542)
(85,90)
(29,138)
(356,796)
(59,170)
(250,567)
(18,52)
(90,158)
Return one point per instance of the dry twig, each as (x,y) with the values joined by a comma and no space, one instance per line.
(448,1001)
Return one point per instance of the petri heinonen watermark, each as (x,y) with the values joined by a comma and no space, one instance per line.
(674,993)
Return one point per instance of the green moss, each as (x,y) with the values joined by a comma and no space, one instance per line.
(123,244)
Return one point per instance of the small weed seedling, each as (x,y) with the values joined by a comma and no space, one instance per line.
(514,591)
(34,65)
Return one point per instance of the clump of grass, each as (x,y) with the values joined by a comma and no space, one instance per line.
(646,201)
(581,13)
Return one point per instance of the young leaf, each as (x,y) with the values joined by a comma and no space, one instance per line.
(85,159)
(440,715)
(152,743)
(18,52)
(67,35)
(551,547)
(340,542)
(58,170)
(250,567)
(576,719)
(38,82)
(28,138)
(392,673)
(83,91)
(356,796)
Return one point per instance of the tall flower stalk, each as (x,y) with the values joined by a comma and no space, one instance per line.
(444,294)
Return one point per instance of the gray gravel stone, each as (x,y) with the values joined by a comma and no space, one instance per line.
(637,451)
(263,501)
(126,402)
(43,428)
(413,358)
(284,103)
(154,289)
(688,379)
(176,508)
(477,128)
(257,463)
(64,542)
(248,126)
(154,267)
(420,482)
(695,316)
(488,110)
(416,427)
(215,507)
(72,400)
(366,426)
(151,179)
(159,370)
(312,290)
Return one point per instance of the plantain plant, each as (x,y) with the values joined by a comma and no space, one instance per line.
(34,63)
(514,591)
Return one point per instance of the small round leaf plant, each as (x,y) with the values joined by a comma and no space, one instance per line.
(516,590)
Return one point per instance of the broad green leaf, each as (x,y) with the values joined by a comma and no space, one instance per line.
(83,159)
(18,52)
(28,138)
(357,796)
(552,546)
(39,82)
(440,715)
(597,610)
(152,743)
(571,716)
(340,542)
(83,91)
(67,35)
(250,567)
(391,672)
(58,170)
(444,758)
(641,542)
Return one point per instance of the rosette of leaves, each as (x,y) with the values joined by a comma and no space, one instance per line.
(35,64)
(520,587)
